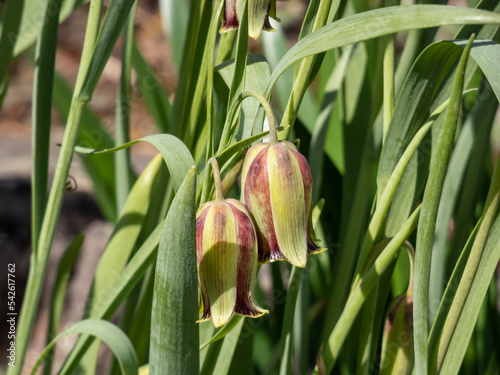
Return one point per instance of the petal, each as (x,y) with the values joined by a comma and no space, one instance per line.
(249,158)
(230,21)
(219,263)
(247,262)
(307,180)
(200,223)
(257,13)
(288,204)
(257,198)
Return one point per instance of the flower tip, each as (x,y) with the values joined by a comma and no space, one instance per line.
(316,251)
(227,27)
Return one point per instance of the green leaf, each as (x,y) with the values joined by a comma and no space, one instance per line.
(124,237)
(123,173)
(223,331)
(220,353)
(449,294)
(487,219)
(469,150)
(174,343)
(31,22)
(276,46)
(378,22)
(175,17)
(45,56)
(11,19)
(174,152)
(257,72)
(93,134)
(225,356)
(329,354)
(470,313)
(117,292)
(240,61)
(286,342)
(127,229)
(427,224)
(112,25)
(113,336)
(154,95)
(187,102)
(434,62)
(319,143)
(232,150)
(486,53)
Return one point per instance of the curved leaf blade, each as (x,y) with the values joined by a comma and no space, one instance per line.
(118,342)
(379,22)
(174,152)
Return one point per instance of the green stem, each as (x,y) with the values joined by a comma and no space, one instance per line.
(39,261)
(323,15)
(189,67)
(330,353)
(488,217)
(287,329)
(233,112)
(219,195)
(430,204)
(411,257)
(209,53)
(123,172)
(388,83)
(378,219)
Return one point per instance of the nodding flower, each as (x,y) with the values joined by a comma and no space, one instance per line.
(259,12)
(277,190)
(276,187)
(226,246)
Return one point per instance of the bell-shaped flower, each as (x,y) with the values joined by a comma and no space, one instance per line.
(258,15)
(276,185)
(226,246)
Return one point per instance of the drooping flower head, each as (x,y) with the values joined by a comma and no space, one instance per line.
(258,15)
(276,186)
(226,246)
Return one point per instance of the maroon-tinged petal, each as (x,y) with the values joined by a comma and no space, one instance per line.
(257,198)
(247,262)
(249,158)
(230,21)
(217,268)
(307,180)
(200,223)
(287,202)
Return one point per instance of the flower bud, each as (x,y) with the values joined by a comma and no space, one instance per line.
(276,188)
(226,247)
(397,343)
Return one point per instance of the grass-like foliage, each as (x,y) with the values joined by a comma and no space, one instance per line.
(395,127)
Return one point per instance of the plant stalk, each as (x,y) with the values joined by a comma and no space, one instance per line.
(41,256)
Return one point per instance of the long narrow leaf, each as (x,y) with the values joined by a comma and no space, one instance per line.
(123,174)
(379,22)
(174,339)
(426,229)
(112,335)
(470,313)
(174,152)
(42,115)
